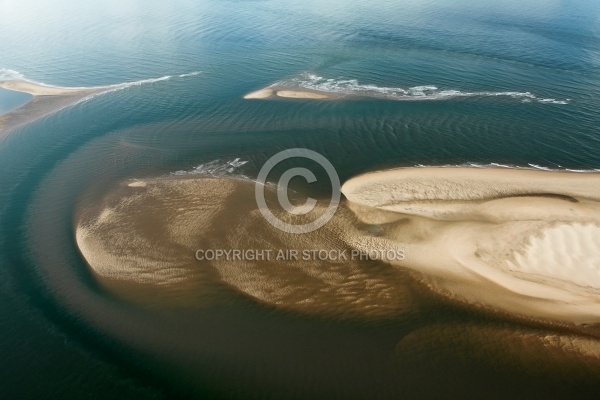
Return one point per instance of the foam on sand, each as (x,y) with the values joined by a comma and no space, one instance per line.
(521,241)
(318,86)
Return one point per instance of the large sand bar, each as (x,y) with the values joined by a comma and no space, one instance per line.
(520,241)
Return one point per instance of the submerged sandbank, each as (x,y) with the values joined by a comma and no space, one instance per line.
(141,239)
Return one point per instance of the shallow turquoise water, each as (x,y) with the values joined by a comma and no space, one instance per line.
(526,86)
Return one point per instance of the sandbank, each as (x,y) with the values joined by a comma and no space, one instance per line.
(140,242)
(301,94)
(42,90)
(259,94)
(273,92)
(519,241)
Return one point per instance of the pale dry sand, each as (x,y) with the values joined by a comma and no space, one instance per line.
(290,93)
(260,94)
(520,241)
(300,94)
(41,90)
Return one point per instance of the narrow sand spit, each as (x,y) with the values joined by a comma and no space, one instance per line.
(42,90)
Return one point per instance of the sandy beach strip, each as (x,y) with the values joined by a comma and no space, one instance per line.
(42,90)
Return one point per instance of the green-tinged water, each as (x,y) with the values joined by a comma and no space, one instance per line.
(429,83)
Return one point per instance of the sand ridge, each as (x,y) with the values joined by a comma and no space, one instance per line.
(42,90)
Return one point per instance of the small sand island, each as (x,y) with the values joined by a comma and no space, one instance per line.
(520,242)
(46,99)
(274,92)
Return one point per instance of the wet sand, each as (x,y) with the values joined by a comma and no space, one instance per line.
(523,243)
(141,241)
(46,100)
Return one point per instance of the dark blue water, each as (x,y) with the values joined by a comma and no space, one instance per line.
(515,84)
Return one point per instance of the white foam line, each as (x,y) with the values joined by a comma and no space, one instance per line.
(497,165)
(10,74)
(425,92)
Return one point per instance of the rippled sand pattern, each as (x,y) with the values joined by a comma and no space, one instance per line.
(144,237)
